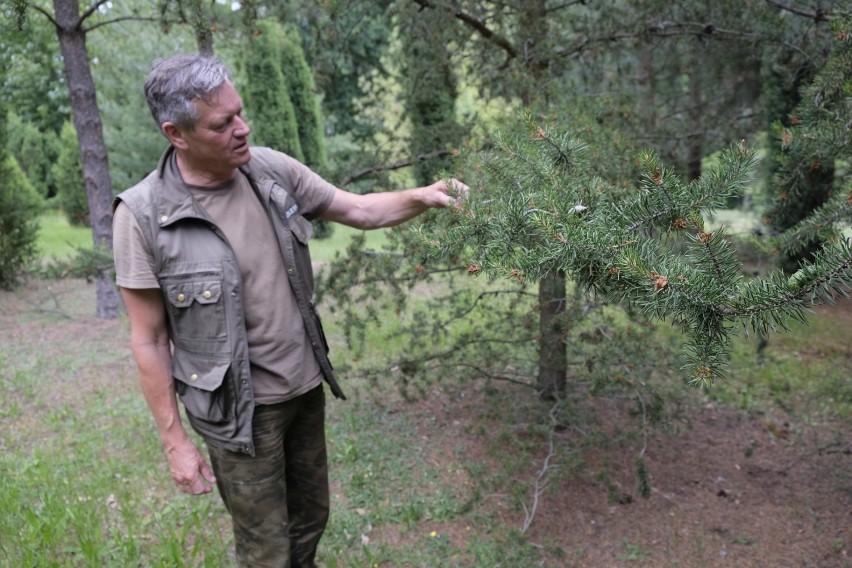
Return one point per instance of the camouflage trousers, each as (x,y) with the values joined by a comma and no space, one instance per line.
(278,499)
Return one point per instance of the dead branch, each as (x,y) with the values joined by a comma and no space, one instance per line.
(816,15)
(395,166)
(478,25)
(541,478)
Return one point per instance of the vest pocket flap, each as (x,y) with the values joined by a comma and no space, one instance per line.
(181,294)
(302,229)
(198,372)
(208,292)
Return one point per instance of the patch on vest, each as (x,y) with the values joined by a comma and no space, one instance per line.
(292,211)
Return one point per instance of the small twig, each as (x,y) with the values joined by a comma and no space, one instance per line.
(541,479)
(56,310)
(844,448)
(644,422)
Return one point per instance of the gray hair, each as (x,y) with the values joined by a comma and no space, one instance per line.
(174,85)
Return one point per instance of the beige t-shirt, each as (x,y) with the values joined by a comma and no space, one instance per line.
(283,364)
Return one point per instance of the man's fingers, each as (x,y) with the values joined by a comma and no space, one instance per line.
(460,189)
(197,485)
(207,473)
(195,488)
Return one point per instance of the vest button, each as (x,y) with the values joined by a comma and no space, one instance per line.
(193,377)
(181,297)
(164,218)
(289,271)
(207,294)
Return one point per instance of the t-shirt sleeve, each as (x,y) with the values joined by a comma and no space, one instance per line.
(311,191)
(134,262)
(322,193)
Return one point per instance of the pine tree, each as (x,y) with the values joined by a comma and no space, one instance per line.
(268,105)
(20,206)
(68,176)
(36,151)
(301,91)
(430,89)
(809,181)
(537,207)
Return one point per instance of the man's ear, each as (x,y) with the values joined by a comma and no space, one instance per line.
(175,135)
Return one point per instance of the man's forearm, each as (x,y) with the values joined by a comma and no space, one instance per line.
(390,208)
(154,362)
(386,209)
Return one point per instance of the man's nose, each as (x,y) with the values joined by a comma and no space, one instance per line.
(242,129)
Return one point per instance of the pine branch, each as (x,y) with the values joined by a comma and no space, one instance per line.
(531,213)
(821,225)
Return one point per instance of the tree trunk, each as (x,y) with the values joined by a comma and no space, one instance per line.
(93,156)
(201,25)
(694,145)
(552,351)
(553,360)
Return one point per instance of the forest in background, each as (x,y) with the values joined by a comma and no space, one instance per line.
(612,123)
(597,139)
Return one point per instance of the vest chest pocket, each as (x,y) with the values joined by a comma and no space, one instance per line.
(196,313)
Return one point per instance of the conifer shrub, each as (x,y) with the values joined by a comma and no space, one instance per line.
(301,90)
(68,176)
(20,206)
(268,106)
(36,152)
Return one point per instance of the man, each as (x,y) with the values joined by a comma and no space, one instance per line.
(212,262)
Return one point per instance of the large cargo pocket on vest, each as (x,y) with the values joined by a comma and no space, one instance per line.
(202,386)
(197,312)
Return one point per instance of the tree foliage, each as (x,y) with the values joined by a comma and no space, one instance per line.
(302,94)
(20,207)
(536,209)
(662,80)
(268,103)
(36,151)
(812,179)
(344,43)
(430,90)
(68,174)
(34,88)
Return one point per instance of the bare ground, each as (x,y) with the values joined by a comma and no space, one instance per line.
(727,491)
(729,488)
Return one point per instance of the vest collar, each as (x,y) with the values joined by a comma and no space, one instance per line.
(174,201)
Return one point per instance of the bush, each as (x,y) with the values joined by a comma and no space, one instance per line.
(36,152)
(20,206)
(68,176)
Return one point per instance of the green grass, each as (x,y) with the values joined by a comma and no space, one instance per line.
(83,481)
(802,369)
(324,250)
(58,239)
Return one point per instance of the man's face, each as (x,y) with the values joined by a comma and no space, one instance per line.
(219,143)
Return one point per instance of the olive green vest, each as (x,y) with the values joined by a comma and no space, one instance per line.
(202,291)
